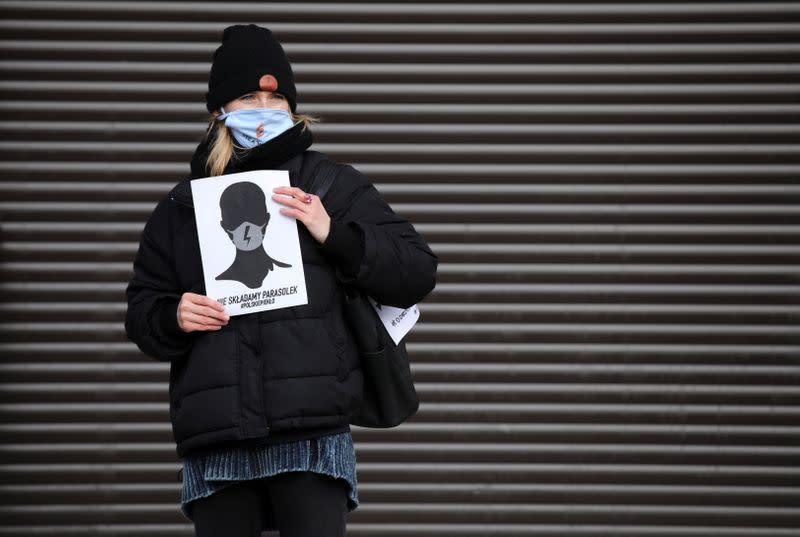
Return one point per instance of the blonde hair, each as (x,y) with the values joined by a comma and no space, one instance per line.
(223,145)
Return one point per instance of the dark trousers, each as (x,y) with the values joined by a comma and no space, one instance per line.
(304,504)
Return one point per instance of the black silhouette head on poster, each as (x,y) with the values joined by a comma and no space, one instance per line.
(244,218)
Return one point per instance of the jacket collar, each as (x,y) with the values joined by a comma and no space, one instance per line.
(266,156)
(182,192)
(284,152)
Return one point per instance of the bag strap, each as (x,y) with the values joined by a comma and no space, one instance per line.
(322,177)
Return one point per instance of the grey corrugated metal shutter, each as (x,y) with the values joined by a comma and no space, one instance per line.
(613,345)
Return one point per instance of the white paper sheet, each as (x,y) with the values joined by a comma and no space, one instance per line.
(398,321)
(250,252)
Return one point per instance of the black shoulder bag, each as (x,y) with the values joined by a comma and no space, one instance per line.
(389,394)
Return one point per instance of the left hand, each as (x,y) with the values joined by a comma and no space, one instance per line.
(304,207)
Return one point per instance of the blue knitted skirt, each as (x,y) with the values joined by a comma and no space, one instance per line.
(332,455)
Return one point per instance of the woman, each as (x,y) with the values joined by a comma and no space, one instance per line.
(260,403)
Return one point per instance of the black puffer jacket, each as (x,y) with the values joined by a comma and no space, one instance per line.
(280,374)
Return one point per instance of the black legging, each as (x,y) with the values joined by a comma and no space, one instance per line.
(304,504)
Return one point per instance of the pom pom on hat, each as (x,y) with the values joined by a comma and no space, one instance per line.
(249,59)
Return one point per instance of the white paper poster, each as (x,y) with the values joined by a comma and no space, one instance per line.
(250,252)
(398,321)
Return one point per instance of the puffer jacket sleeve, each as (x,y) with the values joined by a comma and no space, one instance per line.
(397,267)
(153,293)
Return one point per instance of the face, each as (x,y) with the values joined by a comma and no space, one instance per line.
(257,99)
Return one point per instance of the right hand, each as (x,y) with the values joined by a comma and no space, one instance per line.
(199,312)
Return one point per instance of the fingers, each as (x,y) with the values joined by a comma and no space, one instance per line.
(292,191)
(199,312)
(297,199)
(299,208)
(194,327)
(307,208)
(207,306)
(202,322)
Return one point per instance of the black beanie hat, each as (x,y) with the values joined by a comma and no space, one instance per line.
(249,59)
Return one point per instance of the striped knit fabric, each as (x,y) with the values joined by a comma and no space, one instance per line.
(332,455)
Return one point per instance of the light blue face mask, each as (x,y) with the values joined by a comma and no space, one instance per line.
(254,126)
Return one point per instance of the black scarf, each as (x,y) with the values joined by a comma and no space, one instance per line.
(266,156)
